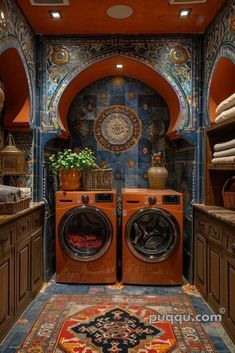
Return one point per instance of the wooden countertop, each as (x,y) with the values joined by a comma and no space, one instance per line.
(6,218)
(220,213)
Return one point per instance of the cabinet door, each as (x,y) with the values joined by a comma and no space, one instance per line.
(229,275)
(200,264)
(215,277)
(6,291)
(23,265)
(37,256)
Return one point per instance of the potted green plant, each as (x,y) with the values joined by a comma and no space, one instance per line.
(87,159)
(94,177)
(67,165)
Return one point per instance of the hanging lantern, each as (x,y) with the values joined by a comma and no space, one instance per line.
(12,159)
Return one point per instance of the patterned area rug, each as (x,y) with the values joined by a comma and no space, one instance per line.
(116,324)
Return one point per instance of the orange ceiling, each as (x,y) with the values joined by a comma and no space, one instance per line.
(149,16)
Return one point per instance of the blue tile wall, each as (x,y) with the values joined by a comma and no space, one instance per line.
(130,167)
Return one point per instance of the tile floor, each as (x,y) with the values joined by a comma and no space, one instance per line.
(215,331)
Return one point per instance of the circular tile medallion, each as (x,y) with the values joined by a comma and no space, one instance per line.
(60,56)
(117,128)
(178,55)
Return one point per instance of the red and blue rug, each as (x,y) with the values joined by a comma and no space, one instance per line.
(116,324)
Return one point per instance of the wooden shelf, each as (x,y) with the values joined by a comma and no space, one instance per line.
(224,125)
(217,174)
(221,166)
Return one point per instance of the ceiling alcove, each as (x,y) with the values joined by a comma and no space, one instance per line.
(131,68)
(222,84)
(17,98)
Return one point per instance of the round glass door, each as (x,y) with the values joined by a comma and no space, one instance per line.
(85,233)
(152,235)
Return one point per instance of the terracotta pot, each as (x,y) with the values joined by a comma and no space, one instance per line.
(69,179)
(157,177)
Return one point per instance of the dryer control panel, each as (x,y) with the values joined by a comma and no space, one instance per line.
(171,199)
(105,197)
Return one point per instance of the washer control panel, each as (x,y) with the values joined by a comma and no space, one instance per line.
(171,199)
(104,198)
(152,200)
(85,198)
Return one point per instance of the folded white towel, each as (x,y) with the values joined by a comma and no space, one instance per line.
(227,114)
(224,145)
(226,104)
(9,193)
(224,153)
(223,160)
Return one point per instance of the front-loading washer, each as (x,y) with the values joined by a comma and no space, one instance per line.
(86,236)
(152,236)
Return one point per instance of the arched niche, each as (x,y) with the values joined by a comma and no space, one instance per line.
(16,115)
(131,68)
(222,84)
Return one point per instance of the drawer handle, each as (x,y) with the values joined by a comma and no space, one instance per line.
(202,224)
(23,228)
(214,232)
(3,240)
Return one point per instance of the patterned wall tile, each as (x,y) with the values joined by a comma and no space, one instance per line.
(152,135)
(152,51)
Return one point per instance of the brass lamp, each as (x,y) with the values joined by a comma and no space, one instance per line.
(12,159)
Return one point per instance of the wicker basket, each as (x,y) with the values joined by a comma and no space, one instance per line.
(228,193)
(14,207)
(97,179)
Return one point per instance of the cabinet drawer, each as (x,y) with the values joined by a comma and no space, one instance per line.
(23,228)
(201,224)
(37,220)
(7,237)
(230,243)
(215,233)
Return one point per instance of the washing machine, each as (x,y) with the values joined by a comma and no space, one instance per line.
(152,236)
(86,237)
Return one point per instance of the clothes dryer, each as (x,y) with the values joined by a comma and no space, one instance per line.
(152,236)
(86,237)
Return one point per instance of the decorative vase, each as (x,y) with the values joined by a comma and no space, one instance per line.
(157,177)
(157,173)
(69,179)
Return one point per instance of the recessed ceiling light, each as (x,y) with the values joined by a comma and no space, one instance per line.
(119,11)
(184,12)
(119,66)
(56,15)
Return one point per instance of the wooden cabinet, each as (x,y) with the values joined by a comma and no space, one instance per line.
(6,291)
(23,273)
(21,262)
(215,276)
(214,254)
(200,263)
(214,231)
(229,280)
(36,260)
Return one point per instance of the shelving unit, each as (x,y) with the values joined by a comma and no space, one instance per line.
(216,174)
(214,232)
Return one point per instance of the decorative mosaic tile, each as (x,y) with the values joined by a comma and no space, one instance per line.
(82,131)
